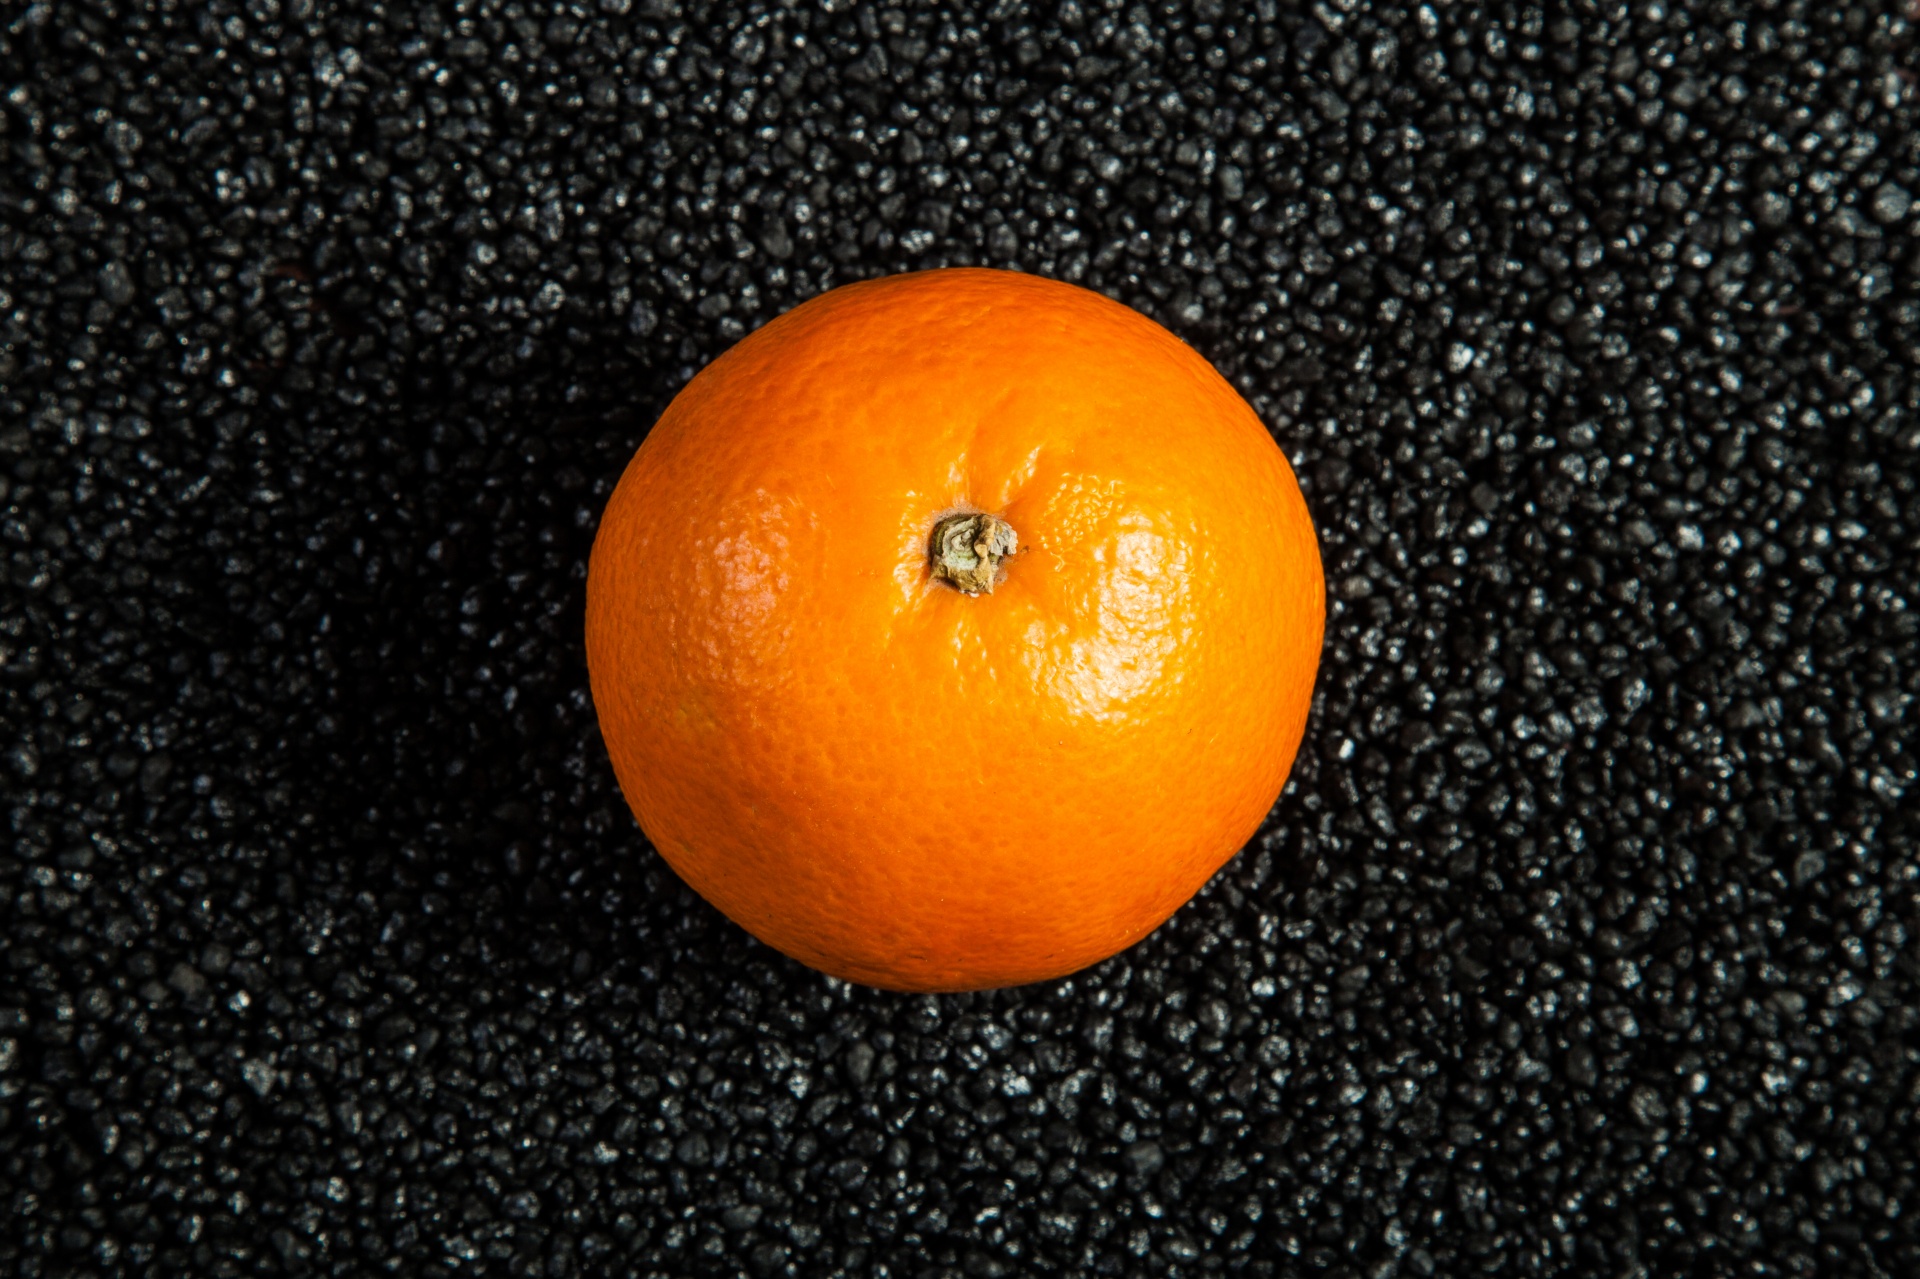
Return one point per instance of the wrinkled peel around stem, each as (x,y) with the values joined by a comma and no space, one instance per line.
(965,551)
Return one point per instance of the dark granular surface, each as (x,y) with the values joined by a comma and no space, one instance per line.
(1584,940)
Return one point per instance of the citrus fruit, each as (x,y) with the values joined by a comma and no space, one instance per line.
(952,629)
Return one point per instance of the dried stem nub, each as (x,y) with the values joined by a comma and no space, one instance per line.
(966,551)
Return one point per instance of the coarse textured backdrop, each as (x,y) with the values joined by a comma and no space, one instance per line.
(1582,942)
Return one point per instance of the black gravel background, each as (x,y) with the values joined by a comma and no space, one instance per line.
(1583,941)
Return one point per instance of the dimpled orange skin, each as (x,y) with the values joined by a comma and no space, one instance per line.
(906,786)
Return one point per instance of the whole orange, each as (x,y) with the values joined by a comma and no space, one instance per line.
(923,749)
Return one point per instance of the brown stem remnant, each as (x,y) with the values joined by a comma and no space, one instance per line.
(966,551)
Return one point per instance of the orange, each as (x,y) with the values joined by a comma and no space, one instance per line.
(935,753)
